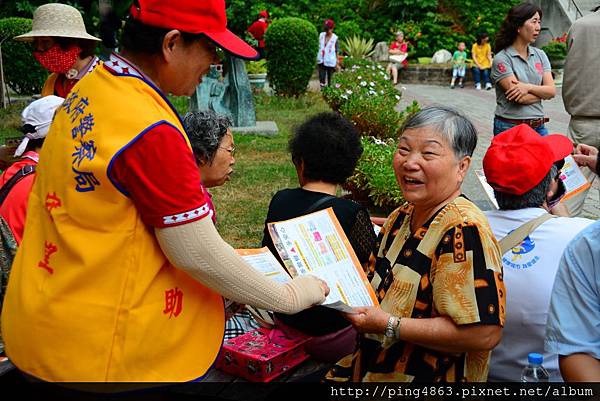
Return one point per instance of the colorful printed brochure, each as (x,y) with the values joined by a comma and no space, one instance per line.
(263,260)
(316,244)
(573,178)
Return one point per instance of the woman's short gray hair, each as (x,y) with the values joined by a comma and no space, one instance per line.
(458,130)
(206,130)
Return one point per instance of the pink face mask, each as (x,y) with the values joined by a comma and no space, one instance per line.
(57,60)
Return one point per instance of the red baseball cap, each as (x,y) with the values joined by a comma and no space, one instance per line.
(193,16)
(518,159)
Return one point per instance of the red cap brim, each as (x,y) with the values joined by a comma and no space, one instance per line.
(230,42)
(561,145)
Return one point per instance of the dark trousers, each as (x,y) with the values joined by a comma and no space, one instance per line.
(325,74)
(477,73)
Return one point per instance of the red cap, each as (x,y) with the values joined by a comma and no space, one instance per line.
(263,14)
(518,159)
(193,16)
(329,24)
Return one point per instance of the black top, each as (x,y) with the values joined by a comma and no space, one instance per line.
(355,221)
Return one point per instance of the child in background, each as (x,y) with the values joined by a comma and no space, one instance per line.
(459,64)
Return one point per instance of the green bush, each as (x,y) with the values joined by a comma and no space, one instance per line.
(364,95)
(22,72)
(292,45)
(555,50)
(374,175)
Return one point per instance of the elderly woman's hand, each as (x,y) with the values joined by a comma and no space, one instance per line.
(517,90)
(368,319)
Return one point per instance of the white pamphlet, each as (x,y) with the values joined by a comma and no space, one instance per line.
(316,244)
(263,260)
(573,178)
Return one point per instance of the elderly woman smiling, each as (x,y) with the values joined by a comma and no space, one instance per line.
(438,268)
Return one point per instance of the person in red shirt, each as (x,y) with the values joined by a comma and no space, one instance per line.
(36,121)
(258,29)
(398,53)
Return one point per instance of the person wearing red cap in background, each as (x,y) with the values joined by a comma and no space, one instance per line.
(328,51)
(121,272)
(524,170)
(258,29)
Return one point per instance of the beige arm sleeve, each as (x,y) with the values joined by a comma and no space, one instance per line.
(198,249)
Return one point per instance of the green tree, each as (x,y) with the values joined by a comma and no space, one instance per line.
(291,45)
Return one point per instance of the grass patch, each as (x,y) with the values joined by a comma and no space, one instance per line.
(10,121)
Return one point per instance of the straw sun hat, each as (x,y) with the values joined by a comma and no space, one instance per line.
(58,20)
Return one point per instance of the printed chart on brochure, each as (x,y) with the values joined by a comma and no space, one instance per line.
(315,244)
(263,260)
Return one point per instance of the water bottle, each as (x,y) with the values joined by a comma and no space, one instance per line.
(534,372)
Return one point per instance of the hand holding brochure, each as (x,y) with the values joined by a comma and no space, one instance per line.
(316,244)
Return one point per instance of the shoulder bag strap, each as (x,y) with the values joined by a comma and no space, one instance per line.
(318,203)
(518,235)
(6,188)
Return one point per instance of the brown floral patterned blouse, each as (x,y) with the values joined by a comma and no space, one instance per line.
(451,267)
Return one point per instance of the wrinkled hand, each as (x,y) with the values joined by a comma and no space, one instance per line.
(586,155)
(368,319)
(517,91)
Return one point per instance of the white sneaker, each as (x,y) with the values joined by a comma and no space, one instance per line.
(478,86)
(488,86)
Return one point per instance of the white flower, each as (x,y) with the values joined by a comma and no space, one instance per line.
(337,85)
(397,97)
(378,141)
(381,91)
(359,77)
(348,91)
(372,83)
(363,83)
(344,96)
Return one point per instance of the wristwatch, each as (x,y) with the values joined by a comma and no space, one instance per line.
(391,329)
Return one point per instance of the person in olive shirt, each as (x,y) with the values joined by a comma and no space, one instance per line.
(581,91)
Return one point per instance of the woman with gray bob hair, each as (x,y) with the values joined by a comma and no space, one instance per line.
(438,267)
(205,130)
(451,124)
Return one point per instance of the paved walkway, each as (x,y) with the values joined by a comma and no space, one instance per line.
(479,107)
